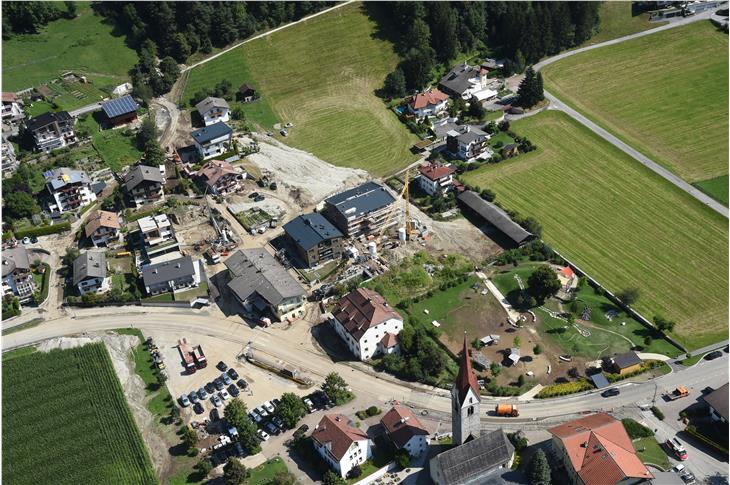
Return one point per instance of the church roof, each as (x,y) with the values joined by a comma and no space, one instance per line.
(466,379)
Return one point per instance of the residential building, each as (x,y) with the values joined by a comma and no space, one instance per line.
(144,185)
(596,450)
(155,229)
(717,401)
(467,81)
(122,89)
(442,127)
(367,324)
(246,93)
(262,285)
(177,274)
(502,227)
(436,178)
(69,190)
(213,110)
(405,431)
(89,273)
(360,211)
(12,110)
(479,461)
(340,444)
(428,103)
(316,240)
(628,362)
(212,140)
(52,130)
(120,111)
(17,276)
(468,143)
(9,160)
(102,228)
(220,178)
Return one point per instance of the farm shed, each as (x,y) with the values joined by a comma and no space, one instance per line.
(628,362)
(495,216)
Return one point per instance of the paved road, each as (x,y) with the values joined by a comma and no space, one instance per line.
(86,109)
(555,103)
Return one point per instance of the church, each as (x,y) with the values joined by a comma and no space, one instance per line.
(477,457)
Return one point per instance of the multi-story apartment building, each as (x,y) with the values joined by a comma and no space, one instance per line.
(89,273)
(360,211)
(12,110)
(17,277)
(144,185)
(213,110)
(340,444)
(212,140)
(315,239)
(155,230)
(172,275)
(69,189)
(436,178)
(52,130)
(219,177)
(102,228)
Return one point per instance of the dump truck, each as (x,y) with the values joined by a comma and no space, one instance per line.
(185,354)
(679,392)
(506,410)
(199,357)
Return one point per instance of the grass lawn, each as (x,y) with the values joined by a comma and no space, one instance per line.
(115,148)
(500,136)
(493,115)
(72,404)
(38,108)
(650,451)
(646,92)
(201,290)
(67,45)
(161,297)
(617,21)
(265,473)
(717,188)
(20,352)
(620,222)
(321,76)
(23,326)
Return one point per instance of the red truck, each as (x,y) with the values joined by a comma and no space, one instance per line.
(186,355)
(199,357)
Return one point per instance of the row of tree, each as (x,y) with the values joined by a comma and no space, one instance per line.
(30,17)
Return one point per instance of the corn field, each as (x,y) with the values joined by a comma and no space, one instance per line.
(66,421)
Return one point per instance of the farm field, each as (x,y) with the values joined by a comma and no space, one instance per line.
(644,92)
(617,20)
(72,404)
(620,222)
(715,187)
(67,45)
(321,76)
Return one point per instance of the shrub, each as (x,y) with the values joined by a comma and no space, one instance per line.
(564,388)
(658,413)
(373,411)
(636,430)
(403,458)
(44,230)
(537,349)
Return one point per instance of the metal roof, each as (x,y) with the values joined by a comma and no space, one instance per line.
(142,173)
(622,361)
(168,271)
(472,462)
(309,230)
(718,399)
(60,177)
(256,271)
(599,380)
(495,216)
(46,119)
(209,103)
(91,264)
(361,200)
(119,106)
(15,258)
(209,133)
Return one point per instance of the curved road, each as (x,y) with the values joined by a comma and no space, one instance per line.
(555,103)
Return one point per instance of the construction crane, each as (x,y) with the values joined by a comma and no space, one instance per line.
(403,195)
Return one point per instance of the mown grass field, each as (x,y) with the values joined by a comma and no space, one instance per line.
(617,20)
(84,44)
(66,421)
(715,187)
(620,222)
(665,94)
(321,76)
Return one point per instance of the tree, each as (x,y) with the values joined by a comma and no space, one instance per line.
(170,68)
(70,9)
(543,283)
(71,254)
(335,388)
(403,458)
(417,67)
(537,349)
(648,340)
(10,306)
(628,295)
(189,437)
(235,472)
(519,64)
(539,470)
(495,369)
(285,478)
(476,110)
(19,205)
(663,324)
(154,155)
(530,91)
(236,414)
(291,409)
(395,84)
(521,380)
(517,341)
(204,467)
(331,478)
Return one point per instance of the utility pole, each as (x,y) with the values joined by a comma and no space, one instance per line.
(656,388)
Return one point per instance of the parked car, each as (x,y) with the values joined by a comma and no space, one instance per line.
(263,435)
(677,448)
(301,430)
(233,390)
(184,401)
(33,239)
(259,198)
(198,408)
(271,428)
(193,397)
(253,195)
(232,373)
(255,416)
(268,406)
(614,391)
(215,400)
(309,404)
(278,422)
(688,478)
(261,411)
(218,383)
(222,366)
(202,394)
(210,388)
(713,355)
(242,383)
(272,186)
(226,380)
(214,415)
(224,395)
(679,468)
(276,402)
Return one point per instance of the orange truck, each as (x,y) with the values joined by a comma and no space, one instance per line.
(506,410)
(681,391)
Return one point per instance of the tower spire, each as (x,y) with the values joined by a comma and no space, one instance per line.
(466,379)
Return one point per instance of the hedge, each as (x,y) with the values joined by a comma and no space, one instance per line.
(44,230)
(564,388)
(636,430)
(658,413)
(645,367)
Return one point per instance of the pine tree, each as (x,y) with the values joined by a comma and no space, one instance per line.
(530,91)
(539,470)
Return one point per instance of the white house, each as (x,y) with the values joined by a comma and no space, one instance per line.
(213,110)
(212,140)
(9,160)
(172,275)
(468,143)
(436,178)
(89,273)
(428,103)
(70,189)
(52,130)
(122,90)
(340,444)
(12,110)
(405,430)
(102,228)
(17,277)
(467,81)
(155,230)
(366,324)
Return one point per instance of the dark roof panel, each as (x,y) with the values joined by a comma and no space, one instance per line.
(628,359)
(120,106)
(209,133)
(495,216)
(168,271)
(718,399)
(309,230)
(361,200)
(472,462)
(46,119)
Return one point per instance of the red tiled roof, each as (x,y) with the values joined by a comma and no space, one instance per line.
(361,309)
(214,170)
(567,272)
(430,97)
(9,97)
(600,450)
(336,430)
(99,219)
(389,340)
(402,425)
(434,170)
(466,379)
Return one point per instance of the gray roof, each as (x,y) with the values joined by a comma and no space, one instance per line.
(666,478)
(361,200)
(46,119)
(211,102)
(142,173)
(628,359)
(204,135)
(472,135)
(309,230)
(168,271)
(457,80)
(60,177)
(91,264)
(256,271)
(495,216)
(718,399)
(472,462)
(119,106)
(599,380)
(15,258)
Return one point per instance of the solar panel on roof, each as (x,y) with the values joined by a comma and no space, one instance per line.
(119,106)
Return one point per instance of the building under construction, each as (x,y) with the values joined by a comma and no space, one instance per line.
(361,211)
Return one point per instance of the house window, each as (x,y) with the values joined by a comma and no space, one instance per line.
(470,411)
